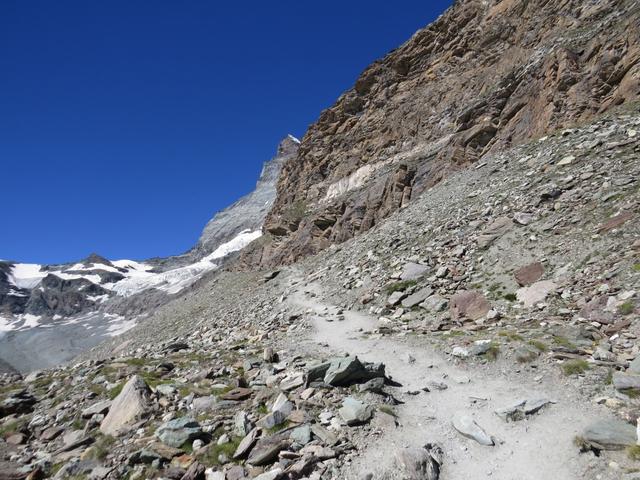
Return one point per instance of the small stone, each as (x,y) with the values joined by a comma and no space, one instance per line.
(355,412)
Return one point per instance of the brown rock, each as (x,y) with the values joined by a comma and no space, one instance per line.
(195,472)
(441,101)
(16,439)
(468,304)
(529,274)
(615,222)
(237,394)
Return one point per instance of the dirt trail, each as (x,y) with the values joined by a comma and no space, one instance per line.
(540,447)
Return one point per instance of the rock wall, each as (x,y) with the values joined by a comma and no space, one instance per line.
(483,76)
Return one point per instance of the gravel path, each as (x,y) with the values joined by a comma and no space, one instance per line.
(538,447)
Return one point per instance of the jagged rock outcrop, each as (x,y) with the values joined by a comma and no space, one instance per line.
(485,75)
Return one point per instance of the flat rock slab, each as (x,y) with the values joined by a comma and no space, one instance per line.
(413,271)
(395,298)
(609,435)
(237,394)
(246,444)
(494,230)
(267,449)
(625,381)
(468,427)
(96,408)
(417,297)
(468,304)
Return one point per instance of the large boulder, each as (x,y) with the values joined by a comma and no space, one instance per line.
(129,405)
(609,435)
(349,370)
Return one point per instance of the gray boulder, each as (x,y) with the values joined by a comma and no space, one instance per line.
(349,370)
(609,435)
(176,433)
(355,412)
(420,463)
(130,404)
(417,297)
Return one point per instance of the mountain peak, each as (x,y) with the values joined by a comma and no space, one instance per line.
(288,145)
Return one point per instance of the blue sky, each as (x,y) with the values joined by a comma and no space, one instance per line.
(125,125)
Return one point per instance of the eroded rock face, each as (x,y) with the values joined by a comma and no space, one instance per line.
(485,75)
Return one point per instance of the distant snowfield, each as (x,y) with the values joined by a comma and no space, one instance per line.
(172,281)
(138,277)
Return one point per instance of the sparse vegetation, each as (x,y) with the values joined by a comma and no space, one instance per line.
(210,458)
(633,452)
(632,392)
(399,286)
(115,391)
(575,367)
(511,336)
(563,342)
(493,352)
(626,308)
(540,345)
(511,297)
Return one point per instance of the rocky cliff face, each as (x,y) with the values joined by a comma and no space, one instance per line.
(485,75)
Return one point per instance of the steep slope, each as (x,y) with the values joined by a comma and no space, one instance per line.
(543,362)
(50,313)
(485,75)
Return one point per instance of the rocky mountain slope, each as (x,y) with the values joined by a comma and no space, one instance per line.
(488,325)
(50,313)
(485,75)
(460,298)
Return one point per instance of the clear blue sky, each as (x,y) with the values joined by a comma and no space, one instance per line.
(124,125)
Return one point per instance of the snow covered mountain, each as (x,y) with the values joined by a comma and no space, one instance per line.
(49,313)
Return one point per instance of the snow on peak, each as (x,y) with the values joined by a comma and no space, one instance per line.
(291,137)
(26,275)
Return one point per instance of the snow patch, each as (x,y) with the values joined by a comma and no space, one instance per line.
(118,325)
(139,278)
(26,275)
(240,241)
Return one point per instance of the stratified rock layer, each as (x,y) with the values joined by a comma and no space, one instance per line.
(485,75)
